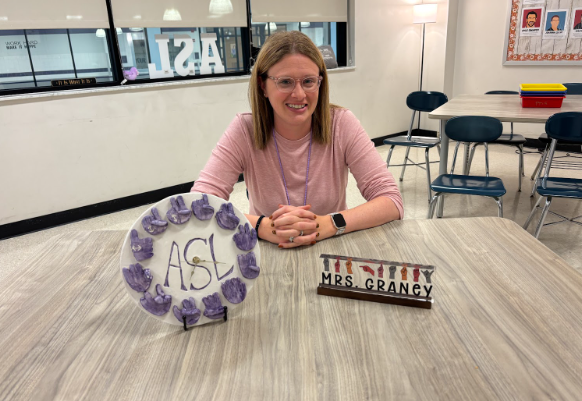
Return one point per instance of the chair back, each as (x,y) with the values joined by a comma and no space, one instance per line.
(565,126)
(426,101)
(562,126)
(574,88)
(502,93)
(478,129)
(473,129)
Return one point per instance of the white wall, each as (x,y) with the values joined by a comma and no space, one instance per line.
(66,152)
(436,49)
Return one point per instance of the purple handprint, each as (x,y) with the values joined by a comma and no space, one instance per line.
(214,308)
(226,217)
(154,224)
(158,305)
(234,290)
(131,74)
(142,248)
(246,239)
(202,210)
(137,278)
(179,213)
(248,265)
(189,311)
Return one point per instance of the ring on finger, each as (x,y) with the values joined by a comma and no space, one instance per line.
(291,239)
(301,233)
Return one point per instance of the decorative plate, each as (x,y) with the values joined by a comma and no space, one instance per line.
(189,256)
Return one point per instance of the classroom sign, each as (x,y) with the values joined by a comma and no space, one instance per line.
(400,283)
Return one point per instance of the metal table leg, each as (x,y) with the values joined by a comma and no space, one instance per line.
(443,167)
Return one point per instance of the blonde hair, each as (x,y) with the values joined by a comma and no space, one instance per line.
(275,48)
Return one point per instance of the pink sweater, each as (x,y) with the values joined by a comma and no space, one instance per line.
(328,171)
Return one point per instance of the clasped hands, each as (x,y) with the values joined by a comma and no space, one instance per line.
(293,226)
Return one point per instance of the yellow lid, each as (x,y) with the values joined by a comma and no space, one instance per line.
(542,88)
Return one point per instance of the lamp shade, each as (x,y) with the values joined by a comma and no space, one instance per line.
(424,13)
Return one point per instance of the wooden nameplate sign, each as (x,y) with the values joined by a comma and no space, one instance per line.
(389,282)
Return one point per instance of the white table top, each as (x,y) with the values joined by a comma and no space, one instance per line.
(506,108)
(505,325)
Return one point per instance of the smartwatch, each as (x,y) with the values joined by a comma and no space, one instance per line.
(339,222)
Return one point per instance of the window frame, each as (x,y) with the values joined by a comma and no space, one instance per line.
(248,55)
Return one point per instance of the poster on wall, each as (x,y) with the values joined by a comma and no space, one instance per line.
(531,21)
(555,24)
(577,23)
(542,32)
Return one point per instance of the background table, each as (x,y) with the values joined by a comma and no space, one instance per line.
(506,108)
(505,325)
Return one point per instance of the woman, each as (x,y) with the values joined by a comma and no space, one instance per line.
(295,150)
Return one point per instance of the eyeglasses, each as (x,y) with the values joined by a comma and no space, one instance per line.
(287,84)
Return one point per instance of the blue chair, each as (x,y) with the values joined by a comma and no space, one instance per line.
(559,127)
(573,89)
(420,101)
(470,129)
(510,139)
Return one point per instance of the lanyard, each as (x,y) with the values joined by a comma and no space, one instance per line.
(283,173)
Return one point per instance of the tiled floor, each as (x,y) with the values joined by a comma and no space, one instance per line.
(565,239)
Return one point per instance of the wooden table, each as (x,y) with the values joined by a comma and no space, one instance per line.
(506,108)
(505,325)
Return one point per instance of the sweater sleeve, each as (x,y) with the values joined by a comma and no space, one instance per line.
(226,162)
(366,165)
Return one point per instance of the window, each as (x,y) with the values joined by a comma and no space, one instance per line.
(321,33)
(16,67)
(32,58)
(143,49)
(57,45)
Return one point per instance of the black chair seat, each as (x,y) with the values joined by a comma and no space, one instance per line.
(414,142)
(469,185)
(560,187)
(510,139)
(545,139)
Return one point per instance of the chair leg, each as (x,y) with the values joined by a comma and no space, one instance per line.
(540,169)
(471,158)
(405,161)
(466,158)
(539,165)
(432,205)
(428,172)
(389,156)
(543,217)
(532,213)
(521,173)
(499,206)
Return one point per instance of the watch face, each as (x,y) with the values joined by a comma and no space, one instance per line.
(339,220)
(189,256)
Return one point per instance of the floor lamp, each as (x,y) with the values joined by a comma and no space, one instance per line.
(423,14)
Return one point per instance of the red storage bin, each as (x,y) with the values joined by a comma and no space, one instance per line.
(542,101)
